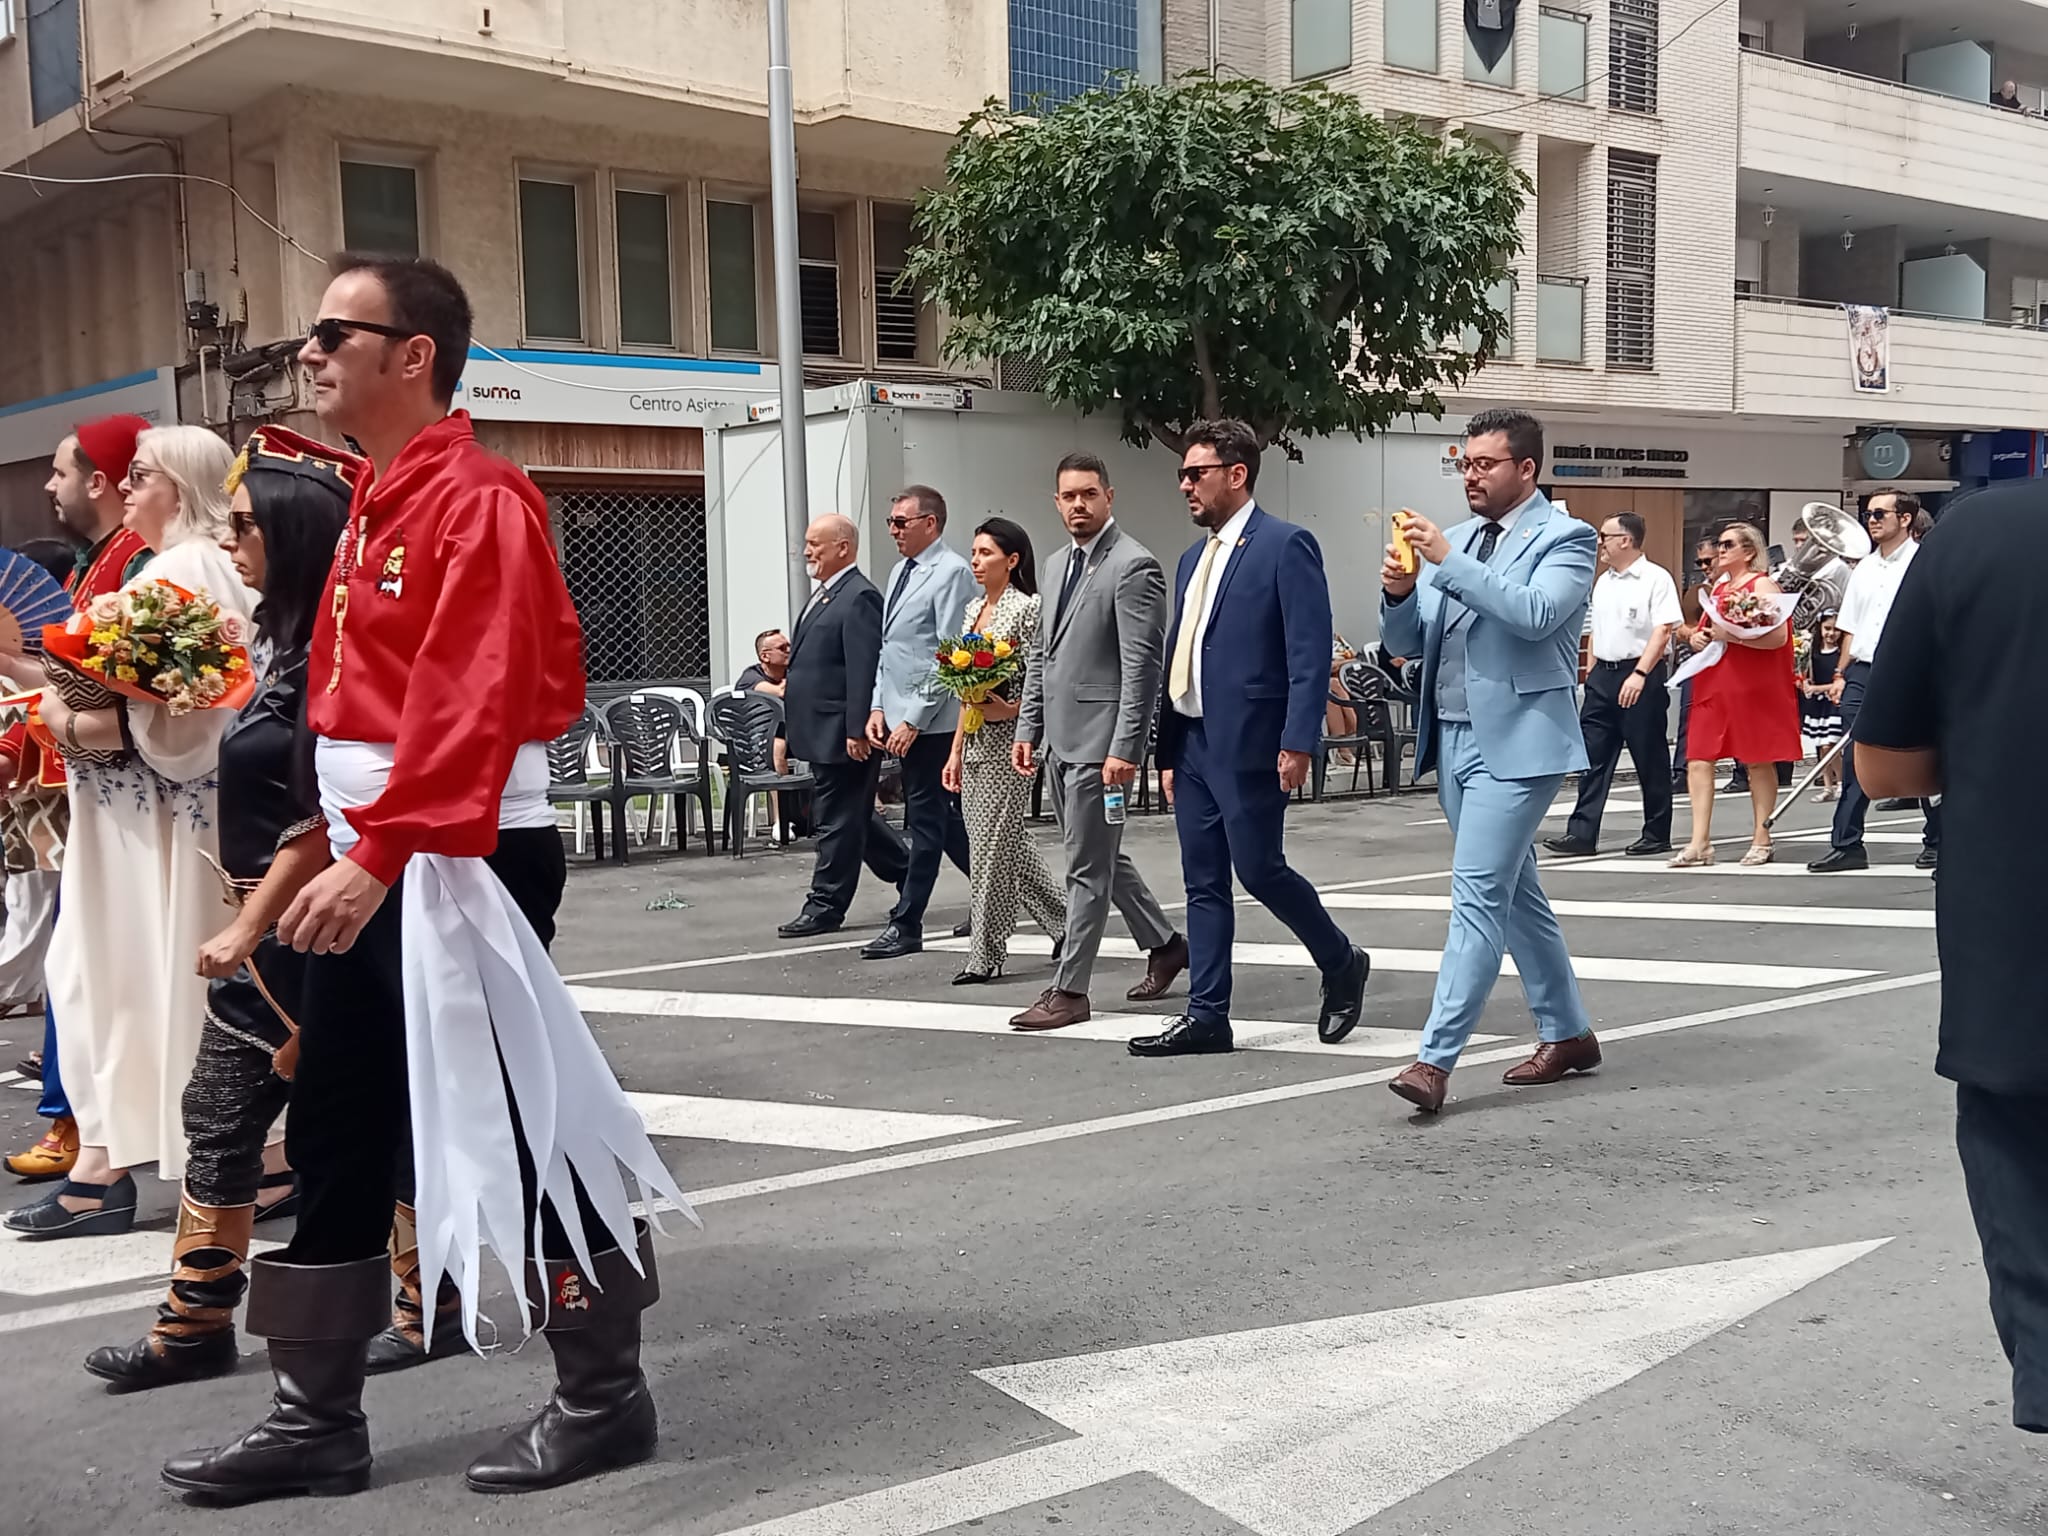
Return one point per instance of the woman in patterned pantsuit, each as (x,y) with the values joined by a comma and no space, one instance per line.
(1004,867)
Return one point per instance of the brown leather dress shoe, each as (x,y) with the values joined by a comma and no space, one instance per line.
(1162,968)
(1423,1086)
(1054,1010)
(1554,1061)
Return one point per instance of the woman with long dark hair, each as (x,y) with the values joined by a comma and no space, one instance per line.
(291,498)
(1004,869)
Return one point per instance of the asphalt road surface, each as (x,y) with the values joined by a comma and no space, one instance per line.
(954,1279)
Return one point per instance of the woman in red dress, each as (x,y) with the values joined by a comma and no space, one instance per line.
(1746,706)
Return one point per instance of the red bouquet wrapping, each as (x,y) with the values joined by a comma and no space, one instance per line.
(158,643)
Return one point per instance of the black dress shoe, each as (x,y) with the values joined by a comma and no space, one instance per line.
(1896,805)
(1576,847)
(1929,858)
(1343,997)
(1835,860)
(1186,1037)
(1643,847)
(964,929)
(977,978)
(893,942)
(808,925)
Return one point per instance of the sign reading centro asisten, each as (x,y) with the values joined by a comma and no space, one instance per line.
(607,388)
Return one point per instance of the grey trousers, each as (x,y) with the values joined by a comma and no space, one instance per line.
(1100,875)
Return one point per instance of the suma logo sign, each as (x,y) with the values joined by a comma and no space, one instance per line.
(608,389)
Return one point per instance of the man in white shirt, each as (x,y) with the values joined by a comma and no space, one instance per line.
(1634,611)
(1866,605)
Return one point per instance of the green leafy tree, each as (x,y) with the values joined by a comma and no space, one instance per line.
(1221,247)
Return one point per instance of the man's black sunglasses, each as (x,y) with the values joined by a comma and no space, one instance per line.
(328,335)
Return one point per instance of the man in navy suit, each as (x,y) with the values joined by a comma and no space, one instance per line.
(1495,610)
(1247,681)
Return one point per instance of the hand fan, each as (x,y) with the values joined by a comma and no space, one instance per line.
(29,598)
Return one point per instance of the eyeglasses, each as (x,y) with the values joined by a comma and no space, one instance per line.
(140,474)
(1480,465)
(900,523)
(328,335)
(1606,536)
(241,524)
(1729,544)
(1190,473)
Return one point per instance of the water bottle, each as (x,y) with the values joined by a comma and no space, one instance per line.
(1113,804)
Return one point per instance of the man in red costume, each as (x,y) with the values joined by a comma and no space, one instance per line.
(85,488)
(447,655)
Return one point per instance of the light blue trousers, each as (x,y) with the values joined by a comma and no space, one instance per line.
(1497,906)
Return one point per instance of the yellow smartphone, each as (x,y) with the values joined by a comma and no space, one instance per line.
(1403,550)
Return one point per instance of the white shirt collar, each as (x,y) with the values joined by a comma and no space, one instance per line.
(1634,571)
(1900,555)
(1087,546)
(1233,530)
(834,579)
(1508,520)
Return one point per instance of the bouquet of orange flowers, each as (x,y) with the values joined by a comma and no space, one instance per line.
(159,643)
(971,668)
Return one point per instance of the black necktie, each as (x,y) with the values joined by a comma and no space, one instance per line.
(1489,540)
(1075,567)
(896,592)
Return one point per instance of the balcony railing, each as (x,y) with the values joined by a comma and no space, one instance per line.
(1793,359)
(1560,319)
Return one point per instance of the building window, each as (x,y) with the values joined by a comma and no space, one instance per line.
(1632,55)
(647,285)
(817,251)
(1561,53)
(1322,37)
(1060,48)
(1631,259)
(1411,34)
(380,208)
(551,258)
(56,80)
(735,284)
(1503,71)
(899,316)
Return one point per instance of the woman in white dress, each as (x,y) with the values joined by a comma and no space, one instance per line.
(139,894)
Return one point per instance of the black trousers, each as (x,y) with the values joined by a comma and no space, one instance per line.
(1854,805)
(1608,727)
(850,832)
(349,1138)
(2003,1139)
(931,815)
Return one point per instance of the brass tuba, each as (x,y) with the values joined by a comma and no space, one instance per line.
(1812,573)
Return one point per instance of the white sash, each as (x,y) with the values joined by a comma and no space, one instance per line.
(480,989)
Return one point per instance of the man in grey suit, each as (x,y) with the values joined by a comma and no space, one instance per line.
(1089,701)
(927,597)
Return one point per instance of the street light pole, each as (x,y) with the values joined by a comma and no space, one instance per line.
(789,331)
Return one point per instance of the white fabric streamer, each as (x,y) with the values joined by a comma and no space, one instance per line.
(1781,603)
(479,988)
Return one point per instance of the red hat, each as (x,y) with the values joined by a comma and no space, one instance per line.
(110,443)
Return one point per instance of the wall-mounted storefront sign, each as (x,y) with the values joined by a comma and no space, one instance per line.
(1591,461)
(607,389)
(34,428)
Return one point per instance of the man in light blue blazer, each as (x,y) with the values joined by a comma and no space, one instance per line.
(1495,613)
(925,597)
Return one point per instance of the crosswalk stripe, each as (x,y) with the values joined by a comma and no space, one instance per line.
(46,1269)
(1790,914)
(815,1127)
(1637,867)
(1683,973)
(968,1019)
(1561,811)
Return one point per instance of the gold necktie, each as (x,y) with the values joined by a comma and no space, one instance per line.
(1180,679)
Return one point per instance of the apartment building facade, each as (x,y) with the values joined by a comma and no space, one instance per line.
(1677,308)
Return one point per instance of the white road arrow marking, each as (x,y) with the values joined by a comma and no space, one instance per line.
(1310,1428)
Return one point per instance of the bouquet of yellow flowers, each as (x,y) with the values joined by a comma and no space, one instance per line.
(162,644)
(971,668)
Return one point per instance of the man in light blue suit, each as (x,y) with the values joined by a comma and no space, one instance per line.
(926,597)
(1495,612)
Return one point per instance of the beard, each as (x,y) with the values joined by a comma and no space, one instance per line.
(811,569)
(77,515)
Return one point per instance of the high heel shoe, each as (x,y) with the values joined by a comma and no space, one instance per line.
(279,1209)
(1688,858)
(48,1217)
(978,978)
(1759,853)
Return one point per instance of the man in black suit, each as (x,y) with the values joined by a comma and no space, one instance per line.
(830,683)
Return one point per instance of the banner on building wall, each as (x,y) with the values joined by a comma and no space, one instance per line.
(1490,24)
(1870,348)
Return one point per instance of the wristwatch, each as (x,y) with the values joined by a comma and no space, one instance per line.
(71,734)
